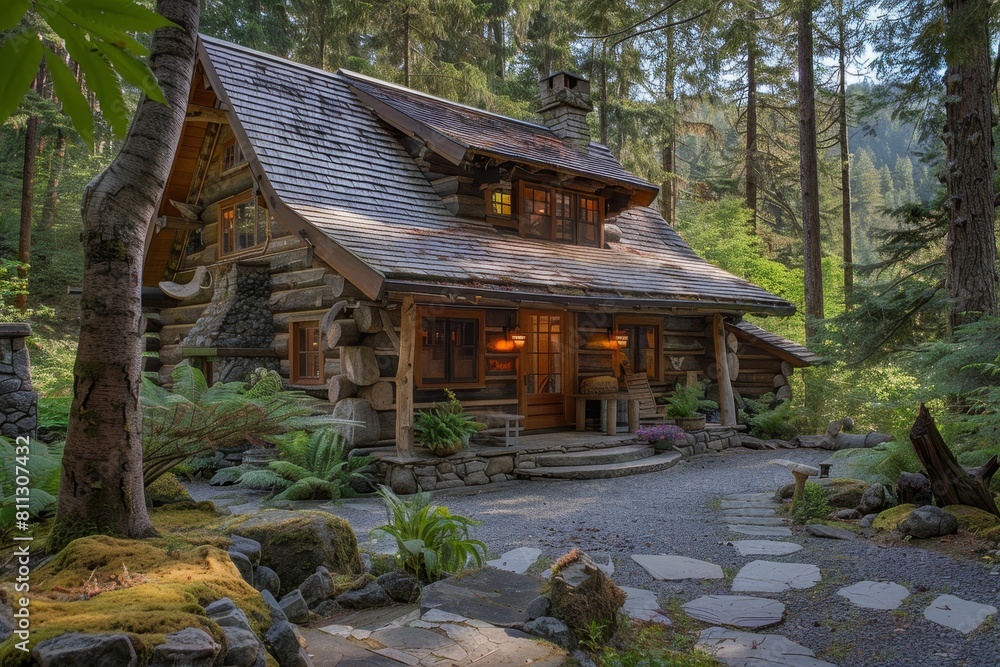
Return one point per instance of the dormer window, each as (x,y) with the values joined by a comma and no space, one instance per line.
(232,155)
(501,203)
(561,215)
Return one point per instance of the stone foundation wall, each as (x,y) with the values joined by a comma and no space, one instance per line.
(18,402)
(487,466)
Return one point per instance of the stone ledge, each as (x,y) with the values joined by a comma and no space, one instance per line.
(14,329)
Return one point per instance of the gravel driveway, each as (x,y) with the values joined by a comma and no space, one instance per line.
(674,512)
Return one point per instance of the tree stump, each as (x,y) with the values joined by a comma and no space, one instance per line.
(950,482)
(913,489)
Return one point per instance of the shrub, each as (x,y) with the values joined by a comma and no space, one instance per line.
(53,413)
(812,505)
(445,425)
(768,419)
(687,401)
(325,472)
(431,540)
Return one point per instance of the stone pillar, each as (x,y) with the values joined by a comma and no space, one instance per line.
(18,403)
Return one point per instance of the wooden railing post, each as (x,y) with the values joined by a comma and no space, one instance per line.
(404,379)
(727,402)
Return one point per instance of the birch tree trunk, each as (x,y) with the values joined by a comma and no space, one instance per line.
(971,247)
(101,489)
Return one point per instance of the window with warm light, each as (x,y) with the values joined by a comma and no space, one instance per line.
(501,203)
(306,357)
(644,348)
(452,349)
(560,215)
(242,224)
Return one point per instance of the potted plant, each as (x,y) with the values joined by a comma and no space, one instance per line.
(683,406)
(445,429)
(663,437)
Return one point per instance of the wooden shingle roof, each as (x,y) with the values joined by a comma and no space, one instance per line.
(327,166)
(796,354)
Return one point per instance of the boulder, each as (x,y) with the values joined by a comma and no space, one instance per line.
(233,619)
(247,547)
(266,579)
(294,607)
(166,489)
(928,521)
(242,647)
(553,630)
(74,648)
(975,520)
(277,614)
(843,492)
(847,515)
(6,629)
(327,608)
(877,497)
(402,482)
(317,587)
(913,488)
(189,647)
(220,607)
(890,519)
(370,596)
(867,520)
(539,607)
(242,564)
(400,586)
(287,645)
(294,543)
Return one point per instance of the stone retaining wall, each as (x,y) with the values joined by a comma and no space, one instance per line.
(18,402)
(489,465)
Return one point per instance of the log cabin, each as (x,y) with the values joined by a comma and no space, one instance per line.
(376,245)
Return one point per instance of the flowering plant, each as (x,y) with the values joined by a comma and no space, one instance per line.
(661,432)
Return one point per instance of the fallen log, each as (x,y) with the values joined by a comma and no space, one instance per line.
(836,439)
(950,482)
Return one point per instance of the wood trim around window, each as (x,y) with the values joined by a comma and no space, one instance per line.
(314,359)
(450,313)
(244,196)
(624,320)
(521,218)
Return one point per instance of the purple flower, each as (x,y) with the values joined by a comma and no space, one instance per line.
(661,431)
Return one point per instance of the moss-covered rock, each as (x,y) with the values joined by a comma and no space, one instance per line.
(890,519)
(843,492)
(973,519)
(161,590)
(165,490)
(585,598)
(294,543)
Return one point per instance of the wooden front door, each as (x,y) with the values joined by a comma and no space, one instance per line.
(544,359)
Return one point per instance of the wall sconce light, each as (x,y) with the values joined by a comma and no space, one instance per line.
(518,338)
(620,337)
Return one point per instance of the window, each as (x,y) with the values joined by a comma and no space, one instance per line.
(242,224)
(561,215)
(501,203)
(306,358)
(644,349)
(452,346)
(232,155)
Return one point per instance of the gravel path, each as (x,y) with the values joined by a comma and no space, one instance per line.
(674,512)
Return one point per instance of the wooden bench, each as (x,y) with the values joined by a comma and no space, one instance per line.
(511,425)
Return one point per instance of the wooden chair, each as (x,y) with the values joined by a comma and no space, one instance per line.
(637,385)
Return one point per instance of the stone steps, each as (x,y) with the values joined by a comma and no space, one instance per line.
(595,456)
(653,463)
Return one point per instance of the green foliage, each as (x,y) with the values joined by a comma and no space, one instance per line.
(687,401)
(431,540)
(53,413)
(812,505)
(98,34)
(445,425)
(652,645)
(42,465)
(768,419)
(326,471)
(193,419)
(882,463)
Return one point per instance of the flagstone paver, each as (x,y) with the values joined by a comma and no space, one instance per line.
(677,567)
(962,615)
(831,532)
(761,531)
(761,497)
(875,594)
(746,649)
(642,605)
(744,611)
(757,520)
(517,560)
(749,511)
(765,547)
(746,504)
(602,560)
(762,576)
(495,596)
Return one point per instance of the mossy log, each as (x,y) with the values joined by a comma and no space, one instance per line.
(950,482)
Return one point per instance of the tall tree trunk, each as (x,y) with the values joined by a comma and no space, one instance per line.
(751,156)
(603,113)
(101,488)
(27,195)
(668,154)
(845,163)
(406,46)
(971,246)
(51,204)
(809,172)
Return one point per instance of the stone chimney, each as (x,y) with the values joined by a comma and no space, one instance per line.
(565,103)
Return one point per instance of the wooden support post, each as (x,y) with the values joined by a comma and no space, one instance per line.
(727,402)
(633,415)
(404,379)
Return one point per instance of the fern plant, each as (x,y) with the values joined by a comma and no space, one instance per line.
(326,472)
(43,464)
(446,426)
(431,540)
(192,419)
(768,419)
(685,402)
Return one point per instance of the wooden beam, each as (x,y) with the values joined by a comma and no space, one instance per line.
(727,402)
(197,113)
(404,378)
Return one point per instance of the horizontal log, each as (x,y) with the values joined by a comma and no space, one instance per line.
(381,394)
(368,318)
(343,332)
(287,280)
(340,387)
